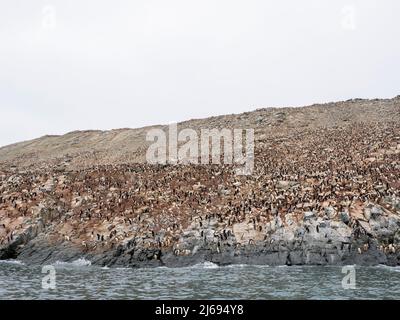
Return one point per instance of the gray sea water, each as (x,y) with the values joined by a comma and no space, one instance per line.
(80,280)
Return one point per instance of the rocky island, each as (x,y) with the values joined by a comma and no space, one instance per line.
(325,190)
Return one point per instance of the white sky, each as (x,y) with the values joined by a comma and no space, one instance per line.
(94,64)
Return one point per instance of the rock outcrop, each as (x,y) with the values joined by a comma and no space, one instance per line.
(325,190)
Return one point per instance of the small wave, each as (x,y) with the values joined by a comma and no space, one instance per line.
(390,268)
(238,265)
(206,265)
(11,261)
(81,262)
(114,268)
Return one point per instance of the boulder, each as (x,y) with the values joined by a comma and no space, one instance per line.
(330,212)
(376,212)
(309,215)
(396,238)
(283,184)
(345,217)
(367,214)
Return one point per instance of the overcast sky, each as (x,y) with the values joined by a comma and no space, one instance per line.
(94,64)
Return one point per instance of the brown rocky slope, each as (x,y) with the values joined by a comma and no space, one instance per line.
(325,190)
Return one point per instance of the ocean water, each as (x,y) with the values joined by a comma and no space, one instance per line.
(81,280)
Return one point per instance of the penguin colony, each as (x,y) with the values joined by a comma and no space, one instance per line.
(348,174)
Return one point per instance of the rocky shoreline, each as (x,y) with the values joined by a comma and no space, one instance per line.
(314,241)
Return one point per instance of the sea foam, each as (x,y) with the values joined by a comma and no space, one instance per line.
(206,265)
(81,262)
(11,261)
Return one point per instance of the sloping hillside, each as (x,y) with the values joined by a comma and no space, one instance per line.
(325,190)
(86,148)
